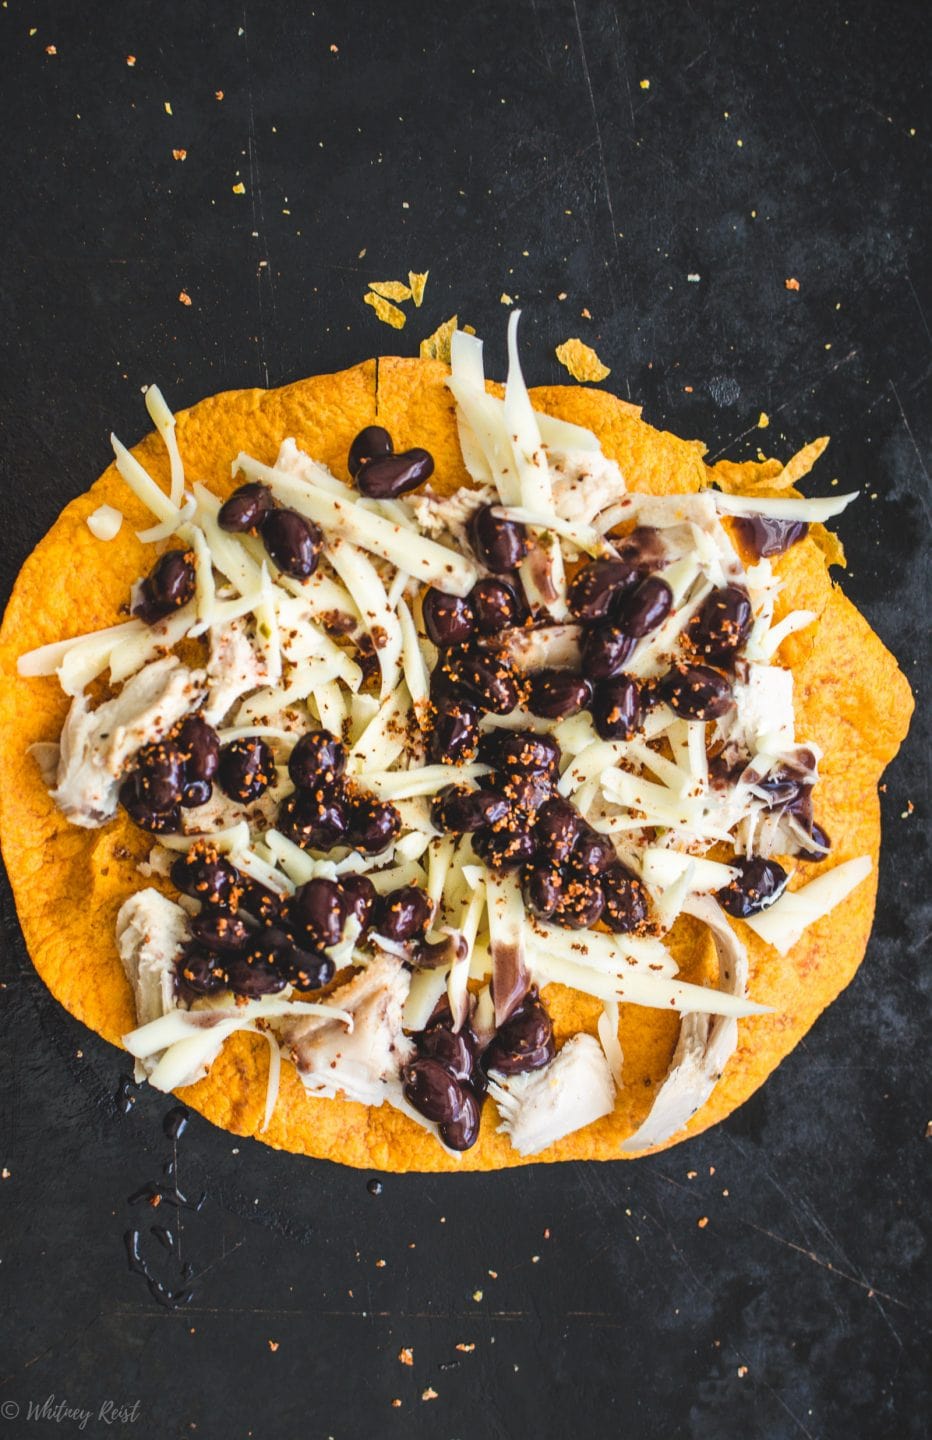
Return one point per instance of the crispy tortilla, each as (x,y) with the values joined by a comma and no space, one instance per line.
(69,883)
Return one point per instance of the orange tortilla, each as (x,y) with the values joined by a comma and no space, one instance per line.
(69,883)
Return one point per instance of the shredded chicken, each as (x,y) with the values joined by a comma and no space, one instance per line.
(542,1106)
(449,514)
(584,483)
(97,745)
(359,1062)
(235,667)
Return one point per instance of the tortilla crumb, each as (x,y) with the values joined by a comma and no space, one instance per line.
(185,298)
(581,361)
(168,107)
(429,1394)
(380,1264)
(703,1222)
(437,346)
(391,289)
(218,94)
(763,420)
(239,188)
(791,284)
(645,84)
(465,1349)
(586,314)
(131,61)
(388,313)
(51,50)
(179,154)
(742,1371)
(505,299)
(406,1355)
(417,283)
(273,1345)
(5,1173)
(396,1404)
(477,1295)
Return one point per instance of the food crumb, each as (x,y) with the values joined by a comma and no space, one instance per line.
(131,61)
(51,50)
(239,188)
(535,1259)
(910,810)
(687,389)
(505,299)
(703,1222)
(5,1173)
(742,1371)
(406,1355)
(477,1295)
(388,313)
(562,295)
(645,84)
(273,1345)
(547,1234)
(581,361)
(437,347)
(494,1274)
(391,289)
(763,420)
(586,314)
(185,298)
(396,1404)
(218,94)
(791,284)
(465,1349)
(711,1169)
(179,154)
(334,49)
(693,278)
(417,280)
(168,106)
(380,1264)
(429,1394)
(691,1174)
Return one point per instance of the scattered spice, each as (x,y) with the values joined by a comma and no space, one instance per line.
(388,313)
(791,284)
(581,361)
(380,1264)
(51,50)
(429,1394)
(218,94)
(703,1222)
(417,283)
(179,154)
(763,420)
(131,61)
(586,314)
(185,298)
(396,1404)
(437,346)
(645,84)
(5,1173)
(168,107)
(465,1349)
(505,299)
(273,1345)
(406,1355)
(742,1371)
(477,1295)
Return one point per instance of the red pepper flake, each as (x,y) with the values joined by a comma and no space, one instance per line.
(791,284)
(273,1345)
(131,61)
(218,95)
(185,298)
(51,50)
(406,1355)
(703,1222)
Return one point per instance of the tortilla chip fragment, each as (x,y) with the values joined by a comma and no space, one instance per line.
(391,289)
(437,346)
(418,284)
(185,298)
(581,361)
(388,313)
(791,284)
(239,189)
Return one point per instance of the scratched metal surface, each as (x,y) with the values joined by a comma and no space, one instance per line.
(611,153)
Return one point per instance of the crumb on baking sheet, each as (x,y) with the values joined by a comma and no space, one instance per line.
(417,282)
(388,313)
(437,346)
(391,289)
(581,361)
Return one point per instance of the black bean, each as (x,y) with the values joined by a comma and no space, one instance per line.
(200,973)
(247,768)
(496,604)
(524,1042)
(723,622)
(454,1052)
(205,875)
(318,758)
(696,692)
(606,651)
(643,547)
(616,708)
(500,544)
(245,508)
(220,930)
(542,887)
(459,810)
(255,974)
(404,914)
(454,736)
(370,444)
(199,746)
(388,476)
(520,750)
(504,848)
(160,777)
(526,792)
(361,897)
(645,608)
(557,829)
(306,969)
(169,585)
(262,904)
(597,586)
(293,542)
(373,824)
(488,677)
(195,793)
(780,789)
(625,900)
(448,619)
(580,902)
(157,822)
(557,694)
(315,819)
(433,1091)
(758,884)
(593,852)
(318,909)
(763,535)
(818,835)
(462,1132)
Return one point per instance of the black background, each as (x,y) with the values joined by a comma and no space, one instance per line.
(508,147)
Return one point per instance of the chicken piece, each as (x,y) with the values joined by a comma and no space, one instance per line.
(235,667)
(541,1106)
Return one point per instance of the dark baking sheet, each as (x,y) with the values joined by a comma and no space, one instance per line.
(508,148)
